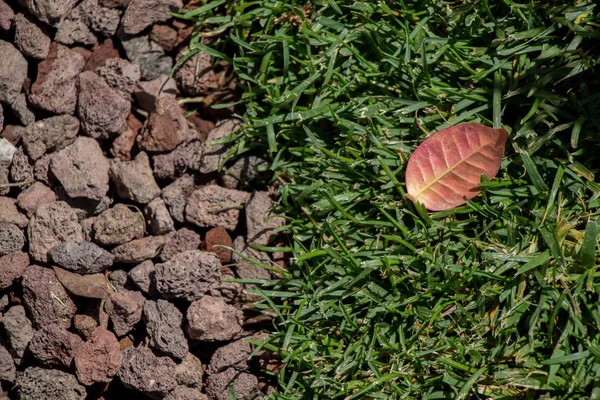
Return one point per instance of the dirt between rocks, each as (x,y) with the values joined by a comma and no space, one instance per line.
(113,211)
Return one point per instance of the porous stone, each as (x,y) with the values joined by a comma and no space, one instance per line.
(50,12)
(245,385)
(142,276)
(118,225)
(125,310)
(40,383)
(246,269)
(13,71)
(134,180)
(35,196)
(139,250)
(99,359)
(21,111)
(85,325)
(74,28)
(120,75)
(261,221)
(148,55)
(12,267)
(8,371)
(52,224)
(166,127)
(82,169)
(213,154)
(210,319)
(163,325)
(50,134)
(185,158)
(41,170)
(9,213)
(6,16)
(176,196)
(19,331)
(182,240)
(216,237)
(82,257)
(30,38)
(12,133)
(190,372)
(245,170)
(158,217)
(21,169)
(122,146)
(100,53)
(102,110)
(234,355)
(11,238)
(213,205)
(143,371)
(196,75)
(147,92)
(102,20)
(45,298)
(228,291)
(54,346)
(118,278)
(185,393)
(140,14)
(187,275)
(55,88)
(83,207)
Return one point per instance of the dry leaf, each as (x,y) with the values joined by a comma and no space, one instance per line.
(445,170)
(92,286)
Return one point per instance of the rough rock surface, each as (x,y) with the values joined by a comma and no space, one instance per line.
(182,240)
(214,205)
(19,331)
(48,11)
(102,110)
(147,92)
(185,393)
(210,319)
(13,71)
(245,385)
(176,196)
(45,298)
(234,354)
(82,257)
(118,225)
(261,222)
(12,267)
(50,134)
(149,56)
(122,146)
(166,127)
(21,170)
(35,196)
(134,179)
(187,275)
(11,238)
(6,16)
(120,75)
(163,325)
(185,158)
(143,276)
(74,28)
(246,269)
(140,14)
(196,76)
(52,224)
(82,169)
(125,310)
(8,371)
(139,250)
(9,212)
(55,89)
(218,236)
(99,359)
(31,39)
(143,371)
(53,345)
(190,372)
(40,383)
(213,154)
(21,110)
(158,218)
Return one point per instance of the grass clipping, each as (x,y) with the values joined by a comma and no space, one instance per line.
(498,298)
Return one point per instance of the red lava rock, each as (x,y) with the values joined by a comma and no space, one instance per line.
(101,53)
(118,279)
(118,225)
(120,75)
(45,298)
(40,383)
(10,214)
(140,14)
(158,217)
(50,134)
(187,275)
(210,319)
(13,70)
(190,372)
(203,126)
(12,267)
(102,20)
(134,179)
(176,196)
(163,326)
(260,219)
(21,170)
(19,331)
(125,310)
(84,325)
(148,55)
(11,238)
(213,155)
(51,225)
(214,205)
(53,345)
(41,170)
(185,393)
(82,206)
(246,269)
(82,169)
(50,12)
(6,16)
(184,158)
(102,110)
(228,291)
(8,370)
(139,250)
(99,359)
(21,110)
(30,38)
(13,133)
(142,276)
(235,355)
(74,28)
(115,3)
(55,89)
(196,76)
(182,240)
(125,343)
(146,92)
(219,237)
(166,36)
(245,385)
(123,144)
(82,257)
(166,127)
(143,371)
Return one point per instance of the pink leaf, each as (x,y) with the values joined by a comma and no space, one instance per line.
(445,170)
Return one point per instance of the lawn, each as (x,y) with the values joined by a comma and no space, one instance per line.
(499,298)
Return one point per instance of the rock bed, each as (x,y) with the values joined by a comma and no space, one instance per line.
(113,208)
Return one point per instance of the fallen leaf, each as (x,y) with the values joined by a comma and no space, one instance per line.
(445,170)
(92,286)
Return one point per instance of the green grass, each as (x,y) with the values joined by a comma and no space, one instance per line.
(499,298)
